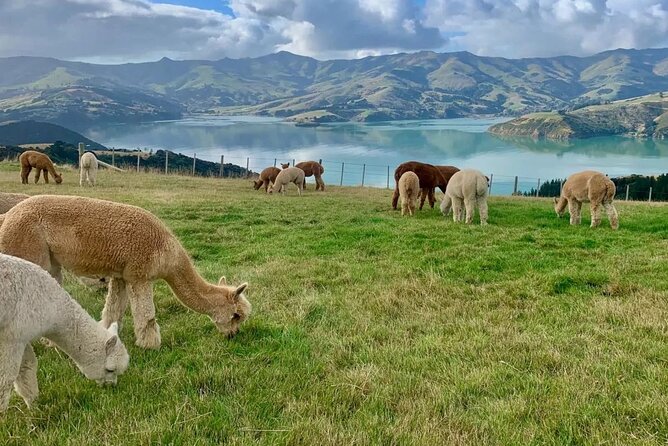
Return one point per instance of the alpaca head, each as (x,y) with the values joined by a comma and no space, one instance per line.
(59,178)
(110,360)
(230,307)
(257,184)
(558,208)
(446,205)
(285,165)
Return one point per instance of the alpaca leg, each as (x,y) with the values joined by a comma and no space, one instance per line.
(266,185)
(321,183)
(573,210)
(423,196)
(395,197)
(612,215)
(432,199)
(578,212)
(25,171)
(482,207)
(92,177)
(115,304)
(147,331)
(300,187)
(38,172)
(26,383)
(469,203)
(457,208)
(595,215)
(10,364)
(46,176)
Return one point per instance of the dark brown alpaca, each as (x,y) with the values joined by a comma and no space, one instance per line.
(430,178)
(310,168)
(447,172)
(267,176)
(31,159)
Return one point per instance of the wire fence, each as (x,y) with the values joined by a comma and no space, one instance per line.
(344,173)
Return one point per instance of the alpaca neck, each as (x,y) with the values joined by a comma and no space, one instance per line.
(188,286)
(76,332)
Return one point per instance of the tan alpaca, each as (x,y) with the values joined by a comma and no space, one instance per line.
(41,162)
(132,247)
(8,201)
(287,176)
(467,188)
(590,186)
(267,176)
(409,190)
(310,168)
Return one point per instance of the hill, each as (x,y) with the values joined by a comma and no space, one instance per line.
(32,132)
(646,116)
(370,328)
(400,86)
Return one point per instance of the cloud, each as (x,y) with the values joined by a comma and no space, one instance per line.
(133,30)
(529,28)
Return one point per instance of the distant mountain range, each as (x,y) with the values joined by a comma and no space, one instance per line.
(31,132)
(401,86)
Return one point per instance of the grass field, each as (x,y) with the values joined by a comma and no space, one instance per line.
(369,328)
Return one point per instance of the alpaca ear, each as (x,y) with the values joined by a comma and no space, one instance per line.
(113,329)
(240,289)
(111,343)
(556,200)
(222,280)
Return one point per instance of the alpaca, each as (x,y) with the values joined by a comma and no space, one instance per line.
(41,162)
(590,186)
(131,246)
(88,169)
(447,172)
(267,176)
(8,201)
(287,176)
(430,178)
(313,168)
(469,188)
(409,190)
(34,305)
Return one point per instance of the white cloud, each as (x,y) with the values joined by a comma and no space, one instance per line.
(530,28)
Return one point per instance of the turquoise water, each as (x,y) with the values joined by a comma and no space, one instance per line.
(368,149)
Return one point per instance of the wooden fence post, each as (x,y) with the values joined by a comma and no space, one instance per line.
(166,162)
(650,194)
(247,166)
(274,162)
(113,156)
(342,164)
(363,173)
(138,153)
(388,177)
(293,162)
(194,162)
(222,162)
(627,192)
(538,188)
(82,149)
(515,187)
(491,179)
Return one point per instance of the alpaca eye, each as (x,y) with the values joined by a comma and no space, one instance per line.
(236,317)
(109,370)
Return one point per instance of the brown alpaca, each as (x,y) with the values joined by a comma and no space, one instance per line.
(287,176)
(267,176)
(8,201)
(311,168)
(41,162)
(590,186)
(447,172)
(409,190)
(430,178)
(96,238)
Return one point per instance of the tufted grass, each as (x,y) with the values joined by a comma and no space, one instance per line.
(369,328)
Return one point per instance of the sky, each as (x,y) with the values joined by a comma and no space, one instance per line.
(116,31)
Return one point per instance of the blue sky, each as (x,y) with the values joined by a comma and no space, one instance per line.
(112,31)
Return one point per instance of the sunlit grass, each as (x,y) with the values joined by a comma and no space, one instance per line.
(370,328)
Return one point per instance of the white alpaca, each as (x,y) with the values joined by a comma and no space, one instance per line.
(467,188)
(286,176)
(88,169)
(32,304)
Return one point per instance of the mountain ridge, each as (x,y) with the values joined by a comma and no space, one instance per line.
(424,84)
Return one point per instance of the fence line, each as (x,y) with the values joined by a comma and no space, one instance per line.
(375,175)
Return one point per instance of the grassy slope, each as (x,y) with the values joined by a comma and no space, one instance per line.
(370,328)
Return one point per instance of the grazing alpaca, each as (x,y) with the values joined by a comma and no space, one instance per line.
(8,201)
(32,305)
(467,188)
(313,168)
(447,172)
(41,162)
(590,186)
(132,247)
(287,176)
(87,169)
(267,176)
(430,178)
(409,190)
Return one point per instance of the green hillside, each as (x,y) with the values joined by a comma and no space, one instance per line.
(32,132)
(373,329)
(401,86)
(646,116)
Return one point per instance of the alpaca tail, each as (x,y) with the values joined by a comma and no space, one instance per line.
(610,191)
(109,166)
